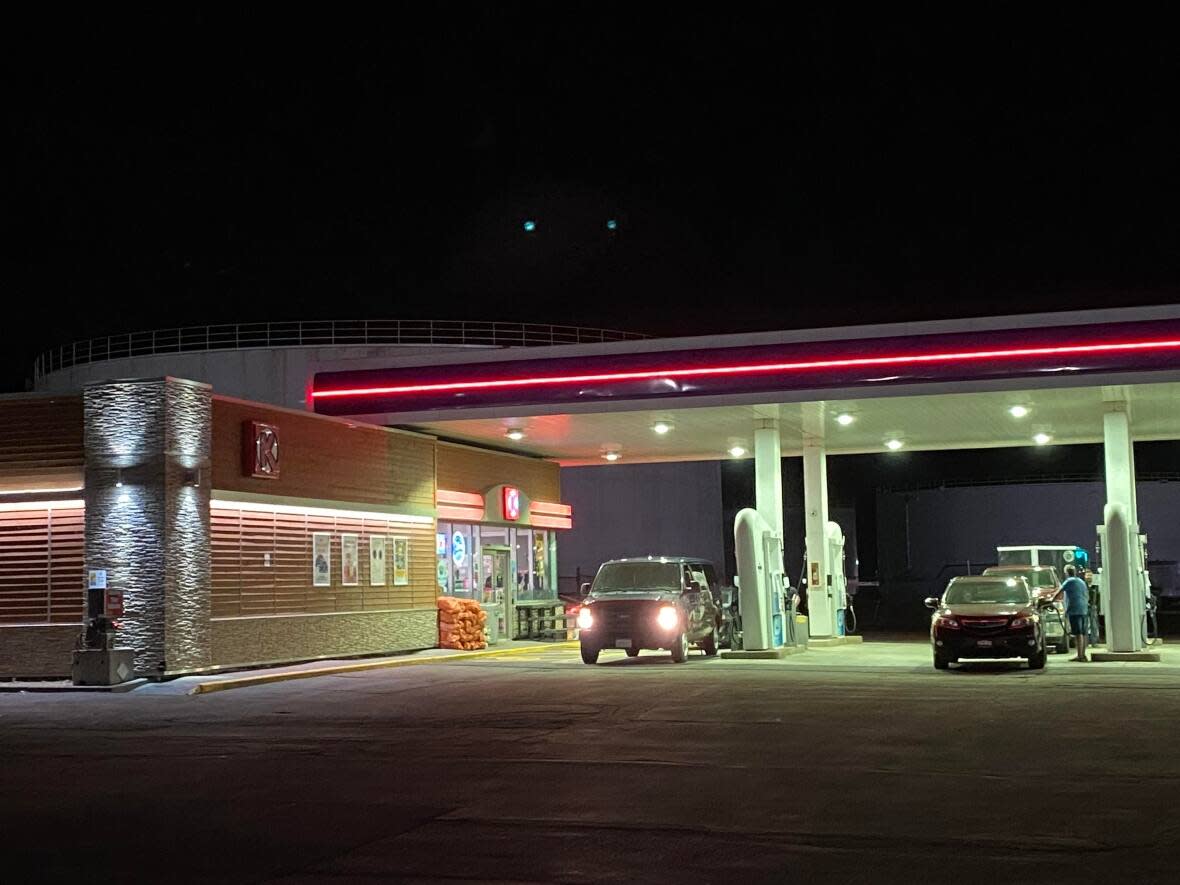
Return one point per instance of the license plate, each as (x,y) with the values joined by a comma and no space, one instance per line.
(983,643)
(622,643)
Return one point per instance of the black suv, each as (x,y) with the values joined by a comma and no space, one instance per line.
(650,602)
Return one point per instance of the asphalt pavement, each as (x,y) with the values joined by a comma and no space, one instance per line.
(857,764)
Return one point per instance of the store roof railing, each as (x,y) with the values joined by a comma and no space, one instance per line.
(312,333)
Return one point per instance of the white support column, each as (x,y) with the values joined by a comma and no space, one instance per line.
(768,473)
(1120,566)
(821,606)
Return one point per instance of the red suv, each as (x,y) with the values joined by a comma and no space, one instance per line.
(987,617)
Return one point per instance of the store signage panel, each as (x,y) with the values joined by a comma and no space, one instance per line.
(260,452)
(511,500)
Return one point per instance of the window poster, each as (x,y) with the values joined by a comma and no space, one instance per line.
(349,565)
(376,560)
(321,559)
(401,561)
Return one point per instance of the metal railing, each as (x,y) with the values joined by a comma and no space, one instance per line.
(312,333)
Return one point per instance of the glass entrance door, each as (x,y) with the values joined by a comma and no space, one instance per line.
(498,589)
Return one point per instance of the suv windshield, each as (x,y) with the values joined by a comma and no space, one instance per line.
(1041,578)
(1012,591)
(621,577)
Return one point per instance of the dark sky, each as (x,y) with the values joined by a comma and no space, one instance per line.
(765,172)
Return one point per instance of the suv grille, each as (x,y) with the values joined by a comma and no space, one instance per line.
(984,626)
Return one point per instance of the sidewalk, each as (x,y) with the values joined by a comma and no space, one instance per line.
(206,683)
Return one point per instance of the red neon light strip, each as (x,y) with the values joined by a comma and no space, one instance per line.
(462,499)
(551,522)
(847,363)
(544,507)
(468,514)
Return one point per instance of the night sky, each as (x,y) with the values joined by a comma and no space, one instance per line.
(170,169)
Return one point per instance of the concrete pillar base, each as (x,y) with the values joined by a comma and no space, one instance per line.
(1107,657)
(755,654)
(830,641)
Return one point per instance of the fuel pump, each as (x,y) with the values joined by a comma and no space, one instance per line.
(1142,600)
(827,585)
(761,583)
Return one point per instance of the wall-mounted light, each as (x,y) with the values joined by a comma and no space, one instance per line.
(118,479)
(192,477)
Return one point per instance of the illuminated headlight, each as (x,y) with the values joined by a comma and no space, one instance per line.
(585,619)
(668,618)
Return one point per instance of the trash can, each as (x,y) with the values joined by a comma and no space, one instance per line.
(802,631)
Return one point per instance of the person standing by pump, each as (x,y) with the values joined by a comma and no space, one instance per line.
(1077,606)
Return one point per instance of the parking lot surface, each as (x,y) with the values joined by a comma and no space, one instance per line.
(858,763)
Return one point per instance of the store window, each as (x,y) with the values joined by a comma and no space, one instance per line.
(532,565)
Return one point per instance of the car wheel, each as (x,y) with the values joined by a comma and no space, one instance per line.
(680,649)
(589,655)
(940,662)
(1037,661)
(709,643)
(632,652)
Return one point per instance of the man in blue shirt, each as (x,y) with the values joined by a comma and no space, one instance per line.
(1077,606)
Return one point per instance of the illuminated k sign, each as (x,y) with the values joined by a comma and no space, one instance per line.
(261,450)
(511,503)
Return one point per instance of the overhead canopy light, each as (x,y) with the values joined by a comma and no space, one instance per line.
(1018,411)
(893,444)
(737,451)
(662,427)
(515,434)
(1042,439)
(611,455)
(845,418)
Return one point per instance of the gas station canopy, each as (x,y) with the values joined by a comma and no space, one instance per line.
(1003,381)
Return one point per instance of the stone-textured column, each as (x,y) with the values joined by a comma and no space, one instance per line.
(148,445)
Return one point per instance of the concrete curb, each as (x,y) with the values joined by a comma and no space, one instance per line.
(267,678)
(832,641)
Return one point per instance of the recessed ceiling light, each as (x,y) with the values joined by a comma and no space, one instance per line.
(845,418)
(893,444)
(737,451)
(529,225)
(661,427)
(1042,439)
(1018,411)
(611,455)
(514,433)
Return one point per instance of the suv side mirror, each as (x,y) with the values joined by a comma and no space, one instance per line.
(586,589)
(931,602)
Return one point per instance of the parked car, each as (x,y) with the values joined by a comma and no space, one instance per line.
(987,617)
(1045,584)
(656,602)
